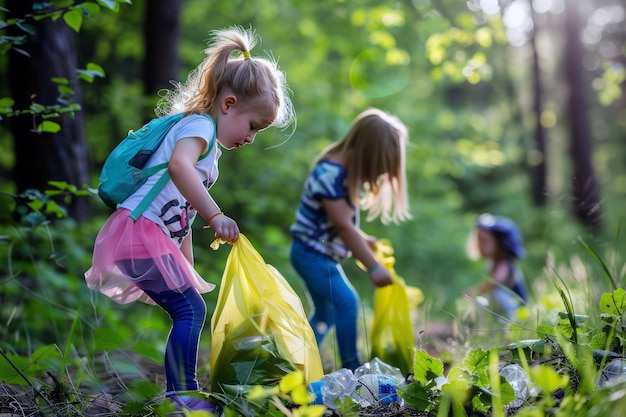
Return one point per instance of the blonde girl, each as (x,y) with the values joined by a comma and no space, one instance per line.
(363,171)
(231,95)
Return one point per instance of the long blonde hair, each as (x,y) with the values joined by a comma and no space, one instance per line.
(255,81)
(374,155)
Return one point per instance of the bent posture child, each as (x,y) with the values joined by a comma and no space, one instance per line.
(364,170)
(151,259)
(498,241)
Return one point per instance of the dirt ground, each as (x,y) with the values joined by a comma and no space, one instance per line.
(61,399)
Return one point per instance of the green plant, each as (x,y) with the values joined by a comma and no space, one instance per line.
(289,397)
(475,386)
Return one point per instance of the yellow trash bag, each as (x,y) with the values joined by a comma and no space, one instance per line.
(259,329)
(392,333)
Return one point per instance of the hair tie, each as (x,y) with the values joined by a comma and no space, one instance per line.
(246,55)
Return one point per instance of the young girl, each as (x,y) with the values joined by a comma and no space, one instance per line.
(151,259)
(498,241)
(364,170)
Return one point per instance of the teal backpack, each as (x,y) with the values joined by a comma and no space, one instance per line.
(123,171)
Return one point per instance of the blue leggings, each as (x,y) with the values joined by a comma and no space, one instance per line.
(187,310)
(334,299)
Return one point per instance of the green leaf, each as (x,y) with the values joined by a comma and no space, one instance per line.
(145,389)
(35,205)
(73,19)
(110,4)
(426,367)
(48,127)
(291,381)
(301,395)
(108,339)
(476,360)
(60,4)
(60,80)
(90,9)
(257,394)
(5,47)
(37,108)
(310,411)
(599,341)
(29,29)
(507,393)
(613,303)
(53,208)
(61,185)
(547,378)
(92,71)
(459,390)
(416,395)
(6,102)
(46,352)
(66,90)
(95,68)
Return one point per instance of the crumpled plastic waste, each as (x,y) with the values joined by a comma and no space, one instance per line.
(373,383)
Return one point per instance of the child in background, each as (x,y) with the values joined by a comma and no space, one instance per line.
(151,260)
(498,241)
(364,170)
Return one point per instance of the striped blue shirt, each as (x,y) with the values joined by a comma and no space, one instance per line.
(312,227)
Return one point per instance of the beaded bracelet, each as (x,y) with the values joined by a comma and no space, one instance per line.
(374,268)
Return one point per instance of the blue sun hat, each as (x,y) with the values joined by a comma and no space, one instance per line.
(505,230)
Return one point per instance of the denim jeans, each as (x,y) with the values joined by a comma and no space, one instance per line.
(334,299)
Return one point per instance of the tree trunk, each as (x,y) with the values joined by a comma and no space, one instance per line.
(586,194)
(539,188)
(162,35)
(62,156)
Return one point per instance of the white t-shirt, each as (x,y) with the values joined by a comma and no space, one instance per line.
(169,209)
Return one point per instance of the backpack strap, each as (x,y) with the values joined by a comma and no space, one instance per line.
(146,172)
(158,186)
(154,191)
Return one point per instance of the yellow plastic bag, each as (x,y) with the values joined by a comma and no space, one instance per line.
(260,331)
(392,333)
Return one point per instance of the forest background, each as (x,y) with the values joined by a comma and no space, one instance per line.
(514,107)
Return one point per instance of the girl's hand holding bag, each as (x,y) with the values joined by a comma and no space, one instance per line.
(259,329)
(392,334)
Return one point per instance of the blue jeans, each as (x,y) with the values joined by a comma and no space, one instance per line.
(187,310)
(334,299)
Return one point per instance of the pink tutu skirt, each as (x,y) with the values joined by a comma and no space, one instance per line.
(128,255)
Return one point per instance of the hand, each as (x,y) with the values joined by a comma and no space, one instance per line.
(225,228)
(370,240)
(381,277)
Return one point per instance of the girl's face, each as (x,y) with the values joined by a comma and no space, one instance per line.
(236,129)
(238,125)
(487,244)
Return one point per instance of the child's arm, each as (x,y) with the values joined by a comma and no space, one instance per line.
(498,276)
(187,248)
(183,174)
(340,215)
(482,288)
